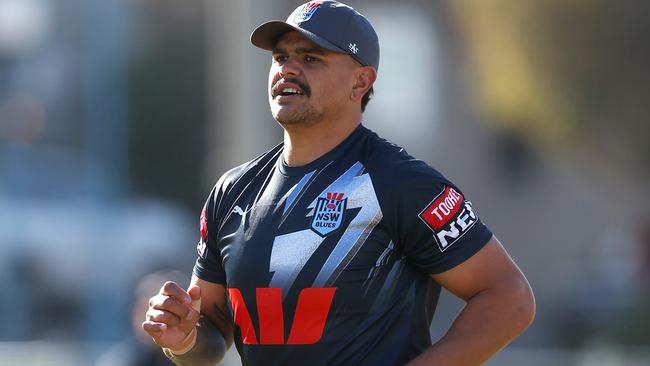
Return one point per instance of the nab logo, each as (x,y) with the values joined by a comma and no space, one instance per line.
(308,320)
(328,214)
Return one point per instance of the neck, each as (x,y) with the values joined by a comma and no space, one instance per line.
(304,144)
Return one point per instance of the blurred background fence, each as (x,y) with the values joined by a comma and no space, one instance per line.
(116,118)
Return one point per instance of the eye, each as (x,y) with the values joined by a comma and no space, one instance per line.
(311,59)
(279,58)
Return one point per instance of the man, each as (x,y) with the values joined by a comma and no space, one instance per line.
(331,248)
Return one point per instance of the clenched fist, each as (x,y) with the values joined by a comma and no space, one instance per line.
(172,316)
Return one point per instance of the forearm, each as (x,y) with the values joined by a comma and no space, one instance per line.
(209,348)
(489,321)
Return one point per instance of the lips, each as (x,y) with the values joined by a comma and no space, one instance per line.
(289,88)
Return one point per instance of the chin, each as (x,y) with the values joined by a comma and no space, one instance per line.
(287,121)
(287,117)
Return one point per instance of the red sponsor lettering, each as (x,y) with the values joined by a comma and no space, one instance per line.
(309,320)
(242,317)
(311,313)
(442,209)
(269,310)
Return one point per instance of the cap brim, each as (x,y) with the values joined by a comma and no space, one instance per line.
(267,35)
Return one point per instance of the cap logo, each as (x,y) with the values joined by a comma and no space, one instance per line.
(353,48)
(307,11)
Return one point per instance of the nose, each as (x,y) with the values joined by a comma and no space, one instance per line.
(290,67)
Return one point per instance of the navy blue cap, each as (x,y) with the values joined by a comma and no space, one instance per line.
(331,25)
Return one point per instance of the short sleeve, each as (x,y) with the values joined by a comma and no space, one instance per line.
(436,227)
(209,265)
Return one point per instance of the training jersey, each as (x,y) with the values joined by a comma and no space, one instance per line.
(329,263)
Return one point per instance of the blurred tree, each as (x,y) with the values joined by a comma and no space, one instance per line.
(167,99)
(569,74)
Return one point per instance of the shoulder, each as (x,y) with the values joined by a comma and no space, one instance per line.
(392,165)
(233,182)
(243,173)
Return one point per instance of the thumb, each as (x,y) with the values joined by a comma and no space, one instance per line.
(195,296)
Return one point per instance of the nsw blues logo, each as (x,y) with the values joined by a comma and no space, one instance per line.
(306,11)
(329,213)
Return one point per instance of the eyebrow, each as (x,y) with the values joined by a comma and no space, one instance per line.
(301,50)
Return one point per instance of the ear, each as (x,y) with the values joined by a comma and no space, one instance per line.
(364,78)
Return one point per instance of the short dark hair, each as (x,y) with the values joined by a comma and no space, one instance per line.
(366,98)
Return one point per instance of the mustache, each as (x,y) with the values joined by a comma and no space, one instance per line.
(306,90)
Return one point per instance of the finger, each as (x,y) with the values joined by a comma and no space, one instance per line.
(153,328)
(161,316)
(195,295)
(172,305)
(171,288)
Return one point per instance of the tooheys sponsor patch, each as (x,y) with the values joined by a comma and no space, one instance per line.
(449,216)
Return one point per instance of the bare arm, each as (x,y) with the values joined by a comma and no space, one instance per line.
(192,326)
(214,307)
(500,306)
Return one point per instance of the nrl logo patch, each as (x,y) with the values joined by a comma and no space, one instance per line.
(329,213)
(306,11)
